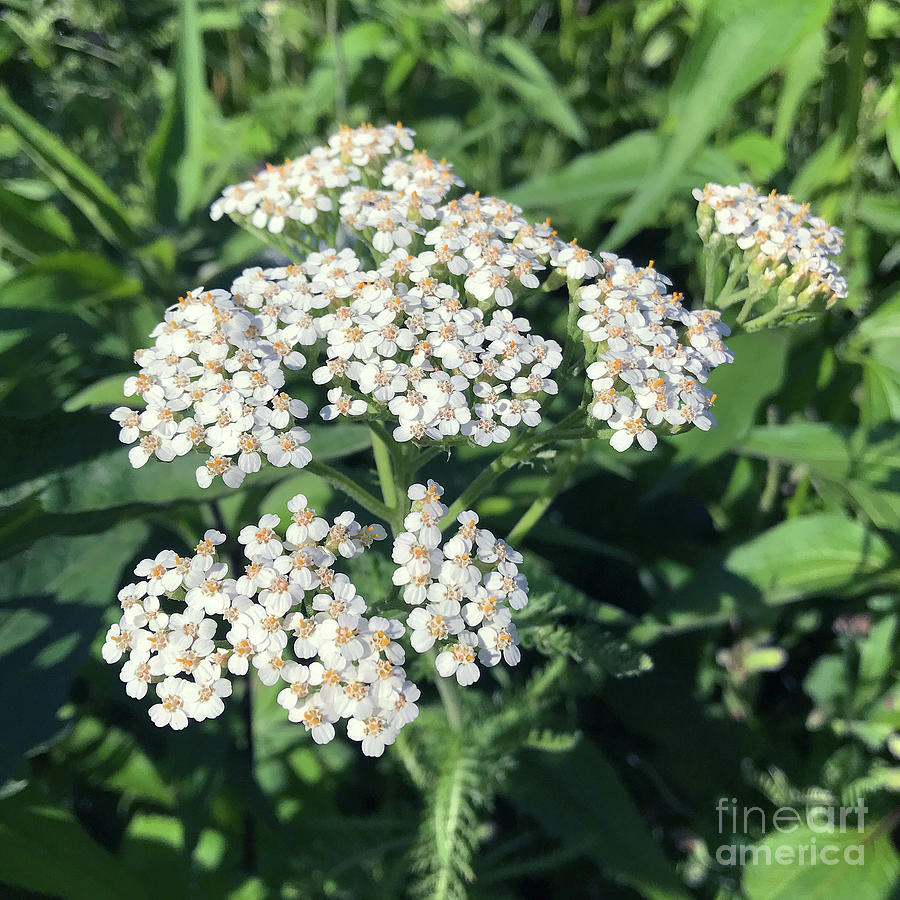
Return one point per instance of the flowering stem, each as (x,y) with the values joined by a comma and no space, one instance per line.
(384,466)
(729,299)
(710,263)
(555,486)
(763,320)
(449,697)
(346,484)
(562,430)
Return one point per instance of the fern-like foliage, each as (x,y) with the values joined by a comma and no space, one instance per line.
(461,795)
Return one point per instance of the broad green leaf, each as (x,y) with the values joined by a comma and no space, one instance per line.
(880,212)
(880,505)
(818,553)
(103,393)
(821,553)
(892,123)
(63,280)
(850,865)
(83,187)
(29,226)
(55,592)
(737,46)
(536,86)
(830,164)
(876,655)
(873,344)
(177,157)
(738,396)
(112,757)
(760,154)
(817,444)
(802,69)
(586,189)
(577,796)
(45,849)
(108,482)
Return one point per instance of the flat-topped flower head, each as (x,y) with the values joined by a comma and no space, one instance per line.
(648,356)
(291,620)
(213,383)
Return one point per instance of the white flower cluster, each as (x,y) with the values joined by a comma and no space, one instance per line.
(401,344)
(780,236)
(344,664)
(213,382)
(300,190)
(648,355)
(471,581)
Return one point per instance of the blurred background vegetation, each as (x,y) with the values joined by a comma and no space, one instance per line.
(717,619)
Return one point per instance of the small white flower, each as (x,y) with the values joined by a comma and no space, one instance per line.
(317,718)
(204,699)
(305,525)
(170,709)
(341,404)
(433,622)
(375,733)
(459,660)
(261,540)
(161,573)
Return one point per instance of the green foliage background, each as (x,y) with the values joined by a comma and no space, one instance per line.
(719,618)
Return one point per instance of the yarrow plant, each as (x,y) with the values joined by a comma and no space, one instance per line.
(402,299)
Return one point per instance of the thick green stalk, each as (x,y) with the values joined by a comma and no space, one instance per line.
(384,466)
(555,486)
(346,484)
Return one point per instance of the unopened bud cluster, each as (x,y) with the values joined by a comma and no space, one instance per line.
(786,253)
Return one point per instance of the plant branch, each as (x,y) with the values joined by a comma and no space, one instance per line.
(354,491)
(563,430)
(555,486)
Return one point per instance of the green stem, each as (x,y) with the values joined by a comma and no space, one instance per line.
(746,308)
(354,491)
(763,320)
(447,690)
(555,486)
(726,300)
(500,464)
(383,464)
(710,262)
